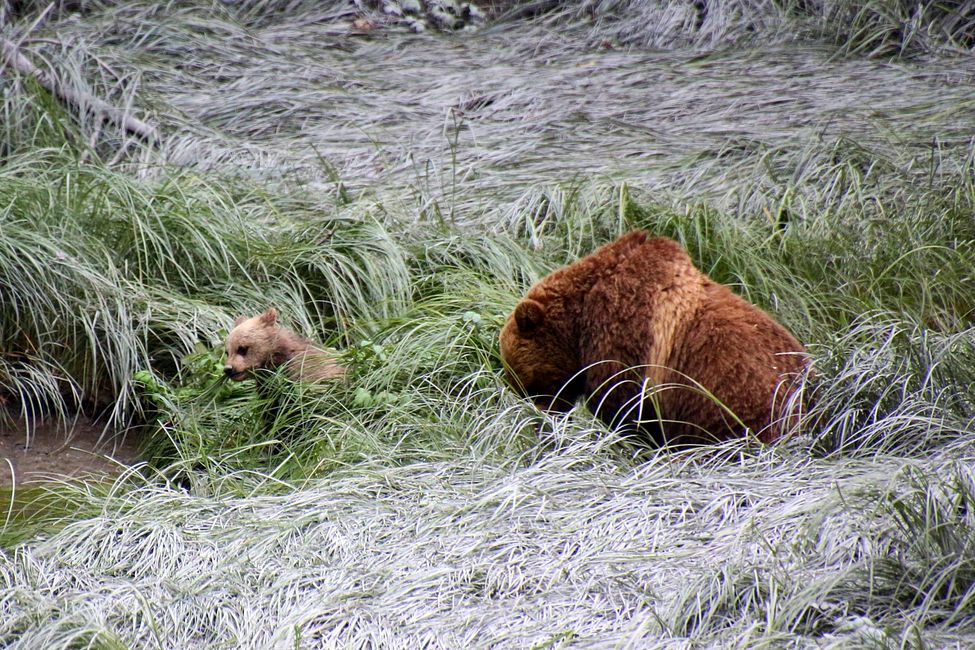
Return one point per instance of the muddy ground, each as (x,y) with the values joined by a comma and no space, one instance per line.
(50,451)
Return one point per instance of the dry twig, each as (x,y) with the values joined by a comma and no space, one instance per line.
(13,58)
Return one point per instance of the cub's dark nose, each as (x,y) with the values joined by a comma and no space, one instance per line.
(228,370)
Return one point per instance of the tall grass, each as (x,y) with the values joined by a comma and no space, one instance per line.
(398,213)
(893,358)
(106,274)
(749,122)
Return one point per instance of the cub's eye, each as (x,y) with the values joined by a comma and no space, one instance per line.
(242,350)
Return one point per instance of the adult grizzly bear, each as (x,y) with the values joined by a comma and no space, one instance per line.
(652,342)
(261,343)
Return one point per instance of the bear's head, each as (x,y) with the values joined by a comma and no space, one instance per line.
(540,357)
(253,344)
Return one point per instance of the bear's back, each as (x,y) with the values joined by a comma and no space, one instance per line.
(633,319)
(700,350)
(742,361)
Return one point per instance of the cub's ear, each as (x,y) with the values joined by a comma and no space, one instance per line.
(529,316)
(240,320)
(270,317)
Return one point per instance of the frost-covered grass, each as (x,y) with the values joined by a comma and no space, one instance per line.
(774,115)
(728,547)
(393,195)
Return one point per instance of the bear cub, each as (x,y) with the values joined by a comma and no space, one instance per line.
(260,342)
(654,344)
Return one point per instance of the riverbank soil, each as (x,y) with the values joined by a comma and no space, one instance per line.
(51,451)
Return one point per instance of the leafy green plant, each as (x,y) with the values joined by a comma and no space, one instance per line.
(200,417)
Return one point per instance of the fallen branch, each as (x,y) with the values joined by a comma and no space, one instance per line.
(13,58)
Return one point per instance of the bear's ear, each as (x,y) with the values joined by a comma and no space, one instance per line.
(634,238)
(270,317)
(629,242)
(240,321)
(529,316)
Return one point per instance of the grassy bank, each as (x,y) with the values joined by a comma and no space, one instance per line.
(398,213)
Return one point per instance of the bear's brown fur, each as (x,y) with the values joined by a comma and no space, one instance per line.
(260,342)
(651,341)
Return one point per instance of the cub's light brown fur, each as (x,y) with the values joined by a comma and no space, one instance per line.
(650,340)
(260,343)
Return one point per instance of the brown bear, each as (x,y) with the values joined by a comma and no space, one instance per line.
(653,343)
(260,343)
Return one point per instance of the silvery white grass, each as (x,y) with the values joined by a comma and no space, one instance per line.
(395,194)
(728,547)
(747,119)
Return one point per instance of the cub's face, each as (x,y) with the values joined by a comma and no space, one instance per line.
(538,361)
(250,345)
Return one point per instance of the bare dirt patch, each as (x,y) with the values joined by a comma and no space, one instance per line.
(51,451)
